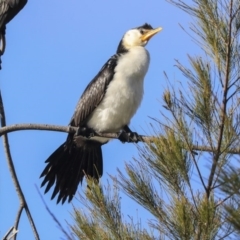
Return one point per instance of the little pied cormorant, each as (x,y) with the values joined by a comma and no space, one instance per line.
(107,105)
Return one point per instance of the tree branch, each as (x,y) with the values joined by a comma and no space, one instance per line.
(70,129)
(11,231)
(224,105)
(30,126)
(23,203)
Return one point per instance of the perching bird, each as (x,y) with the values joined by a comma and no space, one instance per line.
(107,105)
(8,10)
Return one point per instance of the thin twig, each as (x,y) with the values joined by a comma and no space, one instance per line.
(19,213)
(223,201)
(193,157)
(6,237)
(53,216)
(235,81)
(14,175)
(237,90)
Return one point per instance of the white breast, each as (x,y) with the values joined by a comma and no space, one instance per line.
(124,93)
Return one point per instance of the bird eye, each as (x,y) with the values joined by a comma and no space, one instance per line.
(142,31)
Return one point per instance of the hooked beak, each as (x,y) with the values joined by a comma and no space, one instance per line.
(150,34)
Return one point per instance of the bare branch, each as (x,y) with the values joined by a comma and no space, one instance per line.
(14,176)
(11,231)
(17,127)
(19,213)
(69,129)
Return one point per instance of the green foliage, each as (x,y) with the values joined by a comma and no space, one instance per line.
(230,184)
(104,219)
(169,161)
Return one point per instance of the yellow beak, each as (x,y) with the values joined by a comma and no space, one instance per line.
(150,34)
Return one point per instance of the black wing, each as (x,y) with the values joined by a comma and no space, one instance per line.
(9,9)
(94,92)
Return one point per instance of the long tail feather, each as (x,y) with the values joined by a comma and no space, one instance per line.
(67,166)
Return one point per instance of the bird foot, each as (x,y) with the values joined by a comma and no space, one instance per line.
(131,137)
(85,132)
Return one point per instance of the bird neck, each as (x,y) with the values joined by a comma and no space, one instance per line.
(121,48)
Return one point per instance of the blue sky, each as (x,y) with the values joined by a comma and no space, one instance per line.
(54,48)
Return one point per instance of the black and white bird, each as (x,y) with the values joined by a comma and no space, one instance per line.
(107,105)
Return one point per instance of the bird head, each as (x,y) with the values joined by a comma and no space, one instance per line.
(137,37)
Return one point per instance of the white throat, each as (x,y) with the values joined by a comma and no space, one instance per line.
(124,93)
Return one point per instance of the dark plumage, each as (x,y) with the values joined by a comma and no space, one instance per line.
(121,48)
(8,10)
(94,93)
(77,157)
(145,26)
(68,165)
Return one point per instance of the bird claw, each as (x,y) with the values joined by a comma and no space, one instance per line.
(132,137)
(85,132)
